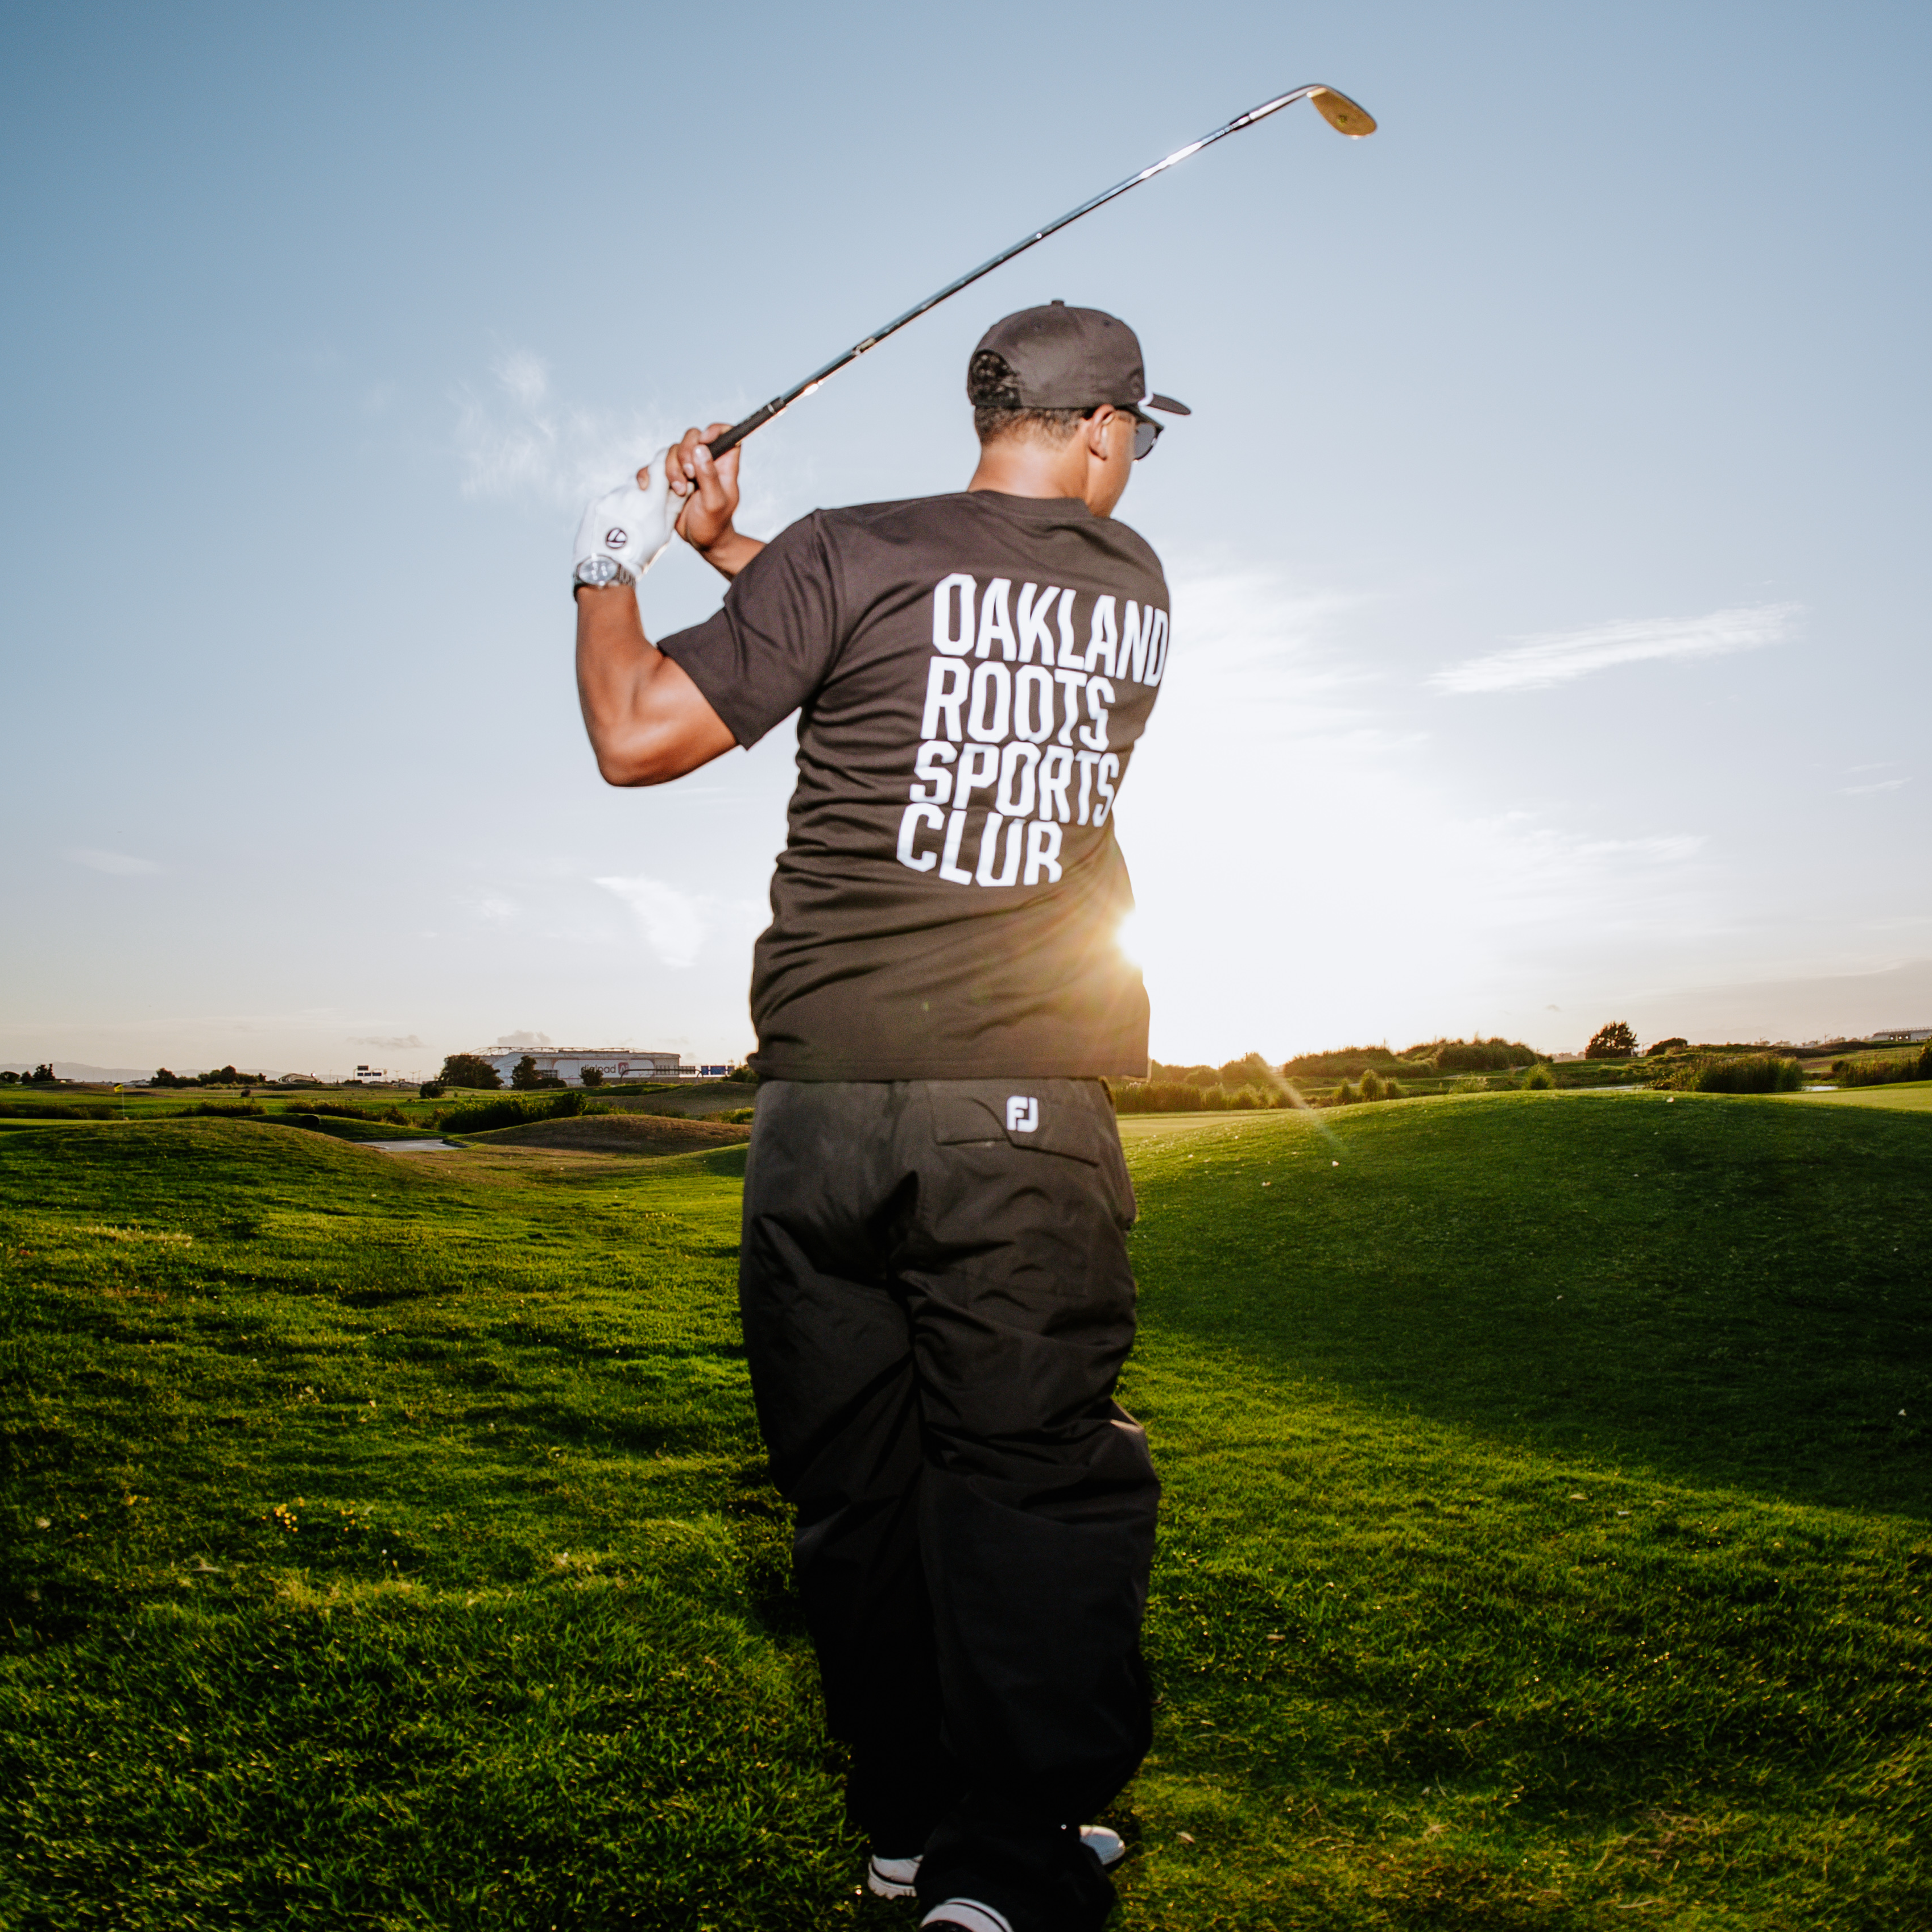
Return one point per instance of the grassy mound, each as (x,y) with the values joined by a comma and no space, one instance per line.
(620,1133)
(338,1127)
(388,1542)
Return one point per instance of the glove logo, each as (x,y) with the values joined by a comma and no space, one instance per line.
(1022,1114)
(615,538)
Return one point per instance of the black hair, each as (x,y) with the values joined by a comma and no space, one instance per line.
(993,390)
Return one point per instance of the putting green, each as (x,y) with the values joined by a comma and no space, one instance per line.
(1908,1095)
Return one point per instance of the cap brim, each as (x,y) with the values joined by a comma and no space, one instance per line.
(1168,404)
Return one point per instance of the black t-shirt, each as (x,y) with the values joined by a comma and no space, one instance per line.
(972,673)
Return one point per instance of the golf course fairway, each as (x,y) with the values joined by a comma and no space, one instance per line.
(387,1541)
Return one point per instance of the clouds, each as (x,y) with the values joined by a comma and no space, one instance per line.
(672,921)
(1313,864)
(398,1042)
(521,441)
(120,864)
(1559,657)
(522,1042)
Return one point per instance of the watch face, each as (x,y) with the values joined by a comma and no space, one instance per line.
(599,572)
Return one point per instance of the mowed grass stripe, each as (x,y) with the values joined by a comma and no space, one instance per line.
(1544,1543)
(514,1647)
(1909,1096)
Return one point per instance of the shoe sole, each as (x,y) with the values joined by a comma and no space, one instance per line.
(881,1886)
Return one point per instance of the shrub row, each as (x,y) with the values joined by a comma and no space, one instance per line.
(1748,1073)
(1350,1063)
(1540,1078)
(482,1115)
(1371,1086)
(1476,1056)
(1177,1096)
(1881,1072)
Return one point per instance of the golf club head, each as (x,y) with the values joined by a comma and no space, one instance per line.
(1345,116)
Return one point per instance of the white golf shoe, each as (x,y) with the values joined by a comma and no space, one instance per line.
(966,1915)
(895,1878)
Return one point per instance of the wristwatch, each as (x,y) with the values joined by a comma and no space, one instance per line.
(598,572)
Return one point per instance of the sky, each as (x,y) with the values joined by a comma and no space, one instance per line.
(1547,545)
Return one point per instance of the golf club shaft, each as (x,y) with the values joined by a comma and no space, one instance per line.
(737,433)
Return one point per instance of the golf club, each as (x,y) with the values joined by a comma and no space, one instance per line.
(1345,116)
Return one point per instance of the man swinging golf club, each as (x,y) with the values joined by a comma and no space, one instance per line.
(935,1281)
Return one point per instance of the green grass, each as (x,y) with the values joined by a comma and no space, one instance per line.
(1543,1547)
(1912,1095)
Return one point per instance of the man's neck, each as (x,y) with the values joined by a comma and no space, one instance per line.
(1020,466)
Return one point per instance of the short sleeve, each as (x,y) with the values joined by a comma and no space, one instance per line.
(771,643)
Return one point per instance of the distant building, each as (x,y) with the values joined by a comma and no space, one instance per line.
(372,1073)
(568,1063)
(1901,1036)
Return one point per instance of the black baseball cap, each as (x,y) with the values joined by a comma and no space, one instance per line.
(1073,358)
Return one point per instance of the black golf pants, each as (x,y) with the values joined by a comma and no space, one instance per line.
(937,1303)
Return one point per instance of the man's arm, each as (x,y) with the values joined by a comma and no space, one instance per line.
(648,722)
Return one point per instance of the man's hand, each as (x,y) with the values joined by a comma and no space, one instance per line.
(647,721)
(627,528)
(709,492)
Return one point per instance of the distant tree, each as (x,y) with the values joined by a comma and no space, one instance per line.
(43,1074)
(221,1076)
(592,1076)
(468,1069)
(163,1077)
(523,1074)
(1676,1043)
(8,1077)
(743,1075)
(1613,1042)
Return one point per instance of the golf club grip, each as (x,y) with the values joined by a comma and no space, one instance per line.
(731,438)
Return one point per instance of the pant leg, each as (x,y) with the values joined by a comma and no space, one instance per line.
(936,1305)
(1036,1514)
(830,1345)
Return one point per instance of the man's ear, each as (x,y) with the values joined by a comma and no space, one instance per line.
(1096,427)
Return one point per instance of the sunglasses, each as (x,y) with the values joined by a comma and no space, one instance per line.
(1146,434)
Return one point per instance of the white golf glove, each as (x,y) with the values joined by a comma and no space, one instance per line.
(627,530)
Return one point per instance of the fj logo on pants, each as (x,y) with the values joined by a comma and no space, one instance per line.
(1022,1114)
